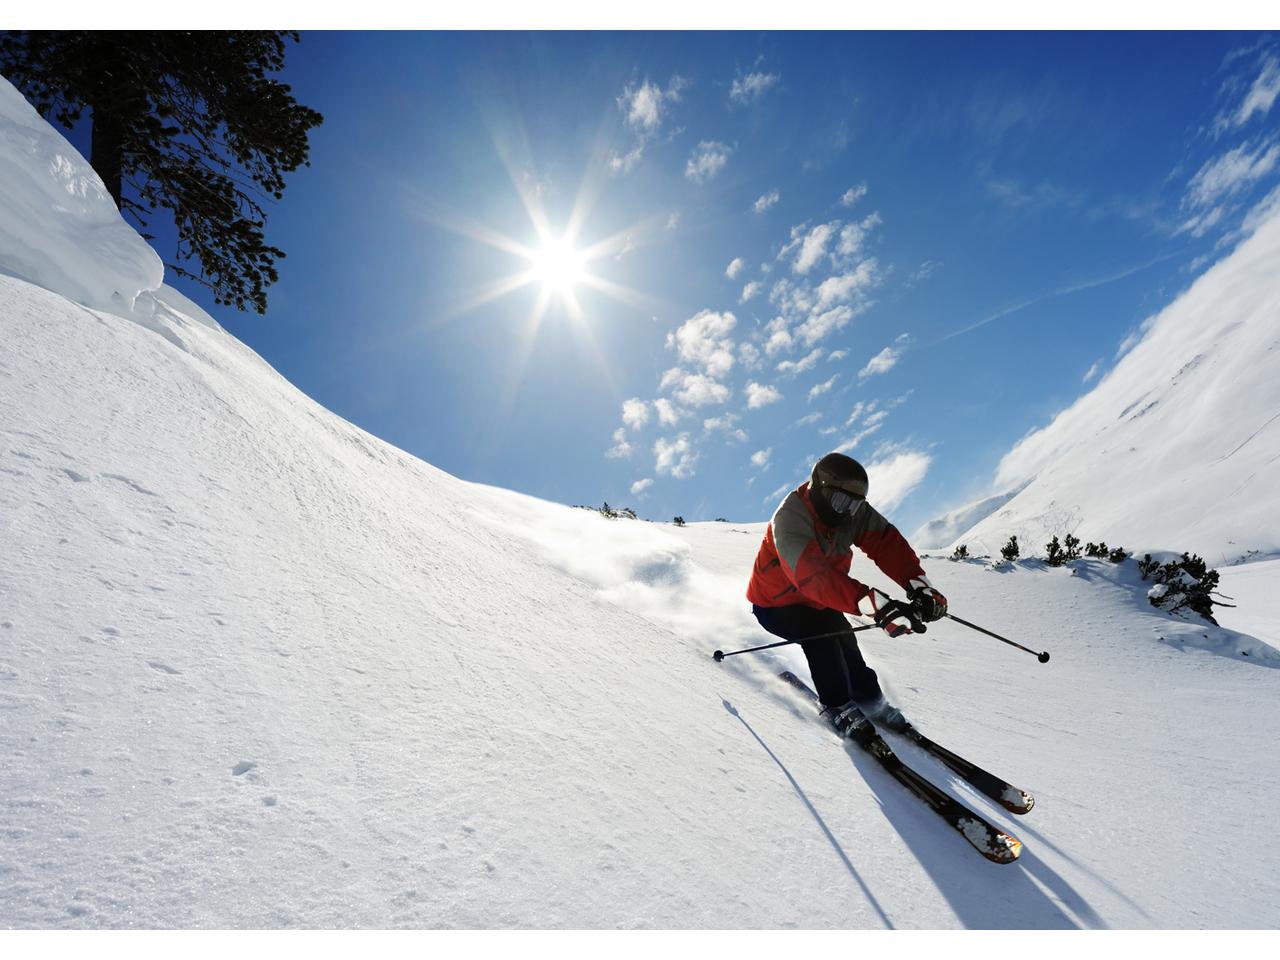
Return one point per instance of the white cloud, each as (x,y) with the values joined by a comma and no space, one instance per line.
(857,438)
(822,388)
(821,325)
(885,360)
(759,395)
(761,457)
(644,109)
(673,220)
(622,164)
(893,478)
(704,339)
(751,290)
(808,419)
(838,355)
(1201,223)
(923,272)
(853,195)
(791,368)
(726,422)
(751,87)
(775,495)
(791,298)
(734,268)
(645,106)
(1092,371)
(675,457)
(749,356)
(777,336)
(621,448)
(779,340)
(708,158)
(693,389)
(847,286)
(635,413)
(668,413)
(1263,93)
(813,247)
(1230,173)
(640,486)
(766,201)
(853,235)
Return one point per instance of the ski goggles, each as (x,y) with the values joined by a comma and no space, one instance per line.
(842,501)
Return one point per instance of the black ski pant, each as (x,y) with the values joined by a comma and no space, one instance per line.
(839,672)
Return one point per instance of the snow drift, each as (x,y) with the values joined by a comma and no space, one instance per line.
(59,228)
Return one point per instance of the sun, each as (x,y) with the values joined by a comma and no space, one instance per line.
(557,266)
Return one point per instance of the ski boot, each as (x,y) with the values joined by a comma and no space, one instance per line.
(884,714)
(851,723)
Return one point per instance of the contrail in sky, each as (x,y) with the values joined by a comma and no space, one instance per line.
(1089,284)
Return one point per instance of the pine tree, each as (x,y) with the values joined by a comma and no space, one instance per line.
(1053,552)
(187,121)
(1010,550)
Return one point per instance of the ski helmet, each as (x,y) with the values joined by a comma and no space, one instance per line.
(837,487)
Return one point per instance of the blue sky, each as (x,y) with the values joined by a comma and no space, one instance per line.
(911,247)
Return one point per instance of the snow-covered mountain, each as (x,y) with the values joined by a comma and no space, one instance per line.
(1177,447)
(944,530)
(261,669)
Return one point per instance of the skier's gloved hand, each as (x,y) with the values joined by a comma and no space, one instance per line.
(929,603)
(892,616)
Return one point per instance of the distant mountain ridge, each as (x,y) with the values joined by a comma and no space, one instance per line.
(944,530)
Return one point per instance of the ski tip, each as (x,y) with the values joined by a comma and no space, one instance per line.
(1001,847)
(996,845)
(1017,801)
(1008,851)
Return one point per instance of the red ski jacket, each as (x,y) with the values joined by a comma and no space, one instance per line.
(802,560)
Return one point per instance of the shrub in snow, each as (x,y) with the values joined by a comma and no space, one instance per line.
(1071,548)
(1184,584)
(1010,550)
(1117,555)
(960,553)
(678,521)
(610,513)
(1053,554)
(1092,549)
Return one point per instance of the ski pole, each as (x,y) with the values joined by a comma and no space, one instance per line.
(720,654)
(1042,657)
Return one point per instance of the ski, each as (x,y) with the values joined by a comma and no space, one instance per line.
(989,840)
(1001,791)
(1004,793)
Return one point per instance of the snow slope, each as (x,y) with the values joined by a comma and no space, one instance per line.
(1178,447)
(261,669)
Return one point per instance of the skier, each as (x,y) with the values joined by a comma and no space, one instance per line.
(801,588)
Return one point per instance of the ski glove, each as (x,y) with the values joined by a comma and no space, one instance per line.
(892,616)
(929,603)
